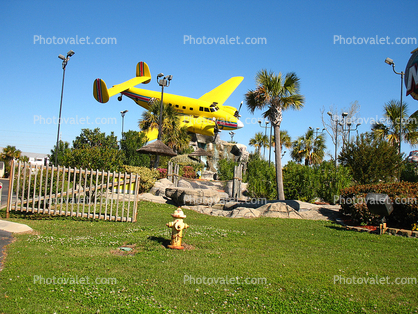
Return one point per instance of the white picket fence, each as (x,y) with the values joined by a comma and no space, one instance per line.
(73,192)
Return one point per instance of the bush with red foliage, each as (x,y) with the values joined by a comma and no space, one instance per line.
(404,196)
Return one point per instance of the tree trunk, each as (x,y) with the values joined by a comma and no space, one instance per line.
(279,174)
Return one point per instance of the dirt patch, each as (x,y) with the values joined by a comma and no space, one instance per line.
(188,247)
(126,250)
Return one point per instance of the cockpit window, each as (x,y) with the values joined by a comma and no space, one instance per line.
(214,107)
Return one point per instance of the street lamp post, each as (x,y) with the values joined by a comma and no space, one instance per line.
(64,64)
(122,113)
(232,136)
(265,134)
(343,123)
(336,136)
(164,82)
(352,130)
(271,127)
(402,74)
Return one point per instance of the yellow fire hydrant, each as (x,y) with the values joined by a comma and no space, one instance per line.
(177,226)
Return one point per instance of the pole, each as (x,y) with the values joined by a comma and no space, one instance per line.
(336,142)
(160,127)
(271,126)
(265,135)
(123,118)
(400,125)
(59,118)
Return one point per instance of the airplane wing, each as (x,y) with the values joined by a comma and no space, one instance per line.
(221,93)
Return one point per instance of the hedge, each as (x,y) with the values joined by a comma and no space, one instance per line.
(403,196)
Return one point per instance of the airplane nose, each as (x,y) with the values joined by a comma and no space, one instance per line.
(240,124)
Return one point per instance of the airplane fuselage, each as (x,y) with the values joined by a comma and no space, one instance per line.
(190,107)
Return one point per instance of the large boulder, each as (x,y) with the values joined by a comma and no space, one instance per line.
(245,212)
(279,210)
(159,187)
(188,196)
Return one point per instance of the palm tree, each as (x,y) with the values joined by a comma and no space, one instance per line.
(9,153)
(276,93)
(309,147)
(390,130)
(259,140)
(285,140)
(174,136)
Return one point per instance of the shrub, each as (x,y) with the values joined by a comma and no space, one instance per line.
(403,196)
(371,160)
(226,169)
(261,178)
(162,173)
(299,182)
(306,183)
(188,172)
(329,182)
(410,172)
(184,160)
(148,177)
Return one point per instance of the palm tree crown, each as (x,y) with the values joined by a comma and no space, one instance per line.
(309,147)
(259,140)
(390,130)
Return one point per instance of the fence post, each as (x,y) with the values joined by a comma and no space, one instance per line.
(176,175)
(236,185)
(170,171)
(11,182)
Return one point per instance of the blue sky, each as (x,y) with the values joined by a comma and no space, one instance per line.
(300,37)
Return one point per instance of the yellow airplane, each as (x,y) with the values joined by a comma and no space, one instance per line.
(206,115)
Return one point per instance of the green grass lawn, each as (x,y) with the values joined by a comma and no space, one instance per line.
(290,267)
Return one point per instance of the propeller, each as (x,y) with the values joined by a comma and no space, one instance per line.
(236,114)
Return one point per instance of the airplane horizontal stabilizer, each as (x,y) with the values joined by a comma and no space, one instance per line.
(102,94)
(221,93)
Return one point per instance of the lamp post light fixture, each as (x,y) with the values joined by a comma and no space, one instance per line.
(122,113)
(64,65)
(265,134)
(232,136)
(389,61)
(316,131)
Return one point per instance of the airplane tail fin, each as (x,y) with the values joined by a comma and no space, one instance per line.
(100,91)
(102,94)
(142,69)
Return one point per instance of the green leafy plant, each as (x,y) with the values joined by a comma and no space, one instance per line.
(371,160)
(226,169)
(148,177)
(261,178)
